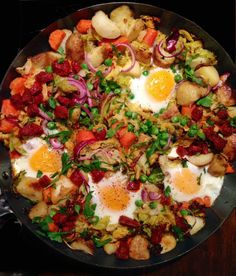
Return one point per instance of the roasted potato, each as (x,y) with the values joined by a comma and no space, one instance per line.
(26,189)
(218,165)
(187,93)
(168,243)
(38,210)
(230,148)
(196,223)
(226,95)
(209,74)
(75,47)
(138,249)
(85,246)
(97,55)
(201,159)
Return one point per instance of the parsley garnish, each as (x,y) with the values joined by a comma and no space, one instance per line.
(52,102)
(39,174)
(77,208)
(98,243)
(66,163)
(88,207)
(167,191)
(178,232)
(206,101)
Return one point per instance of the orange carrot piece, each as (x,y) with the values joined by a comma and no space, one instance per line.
(52,227)
(186,110)
(84,135)
(150,37)
(55,39)
(6,126)
(185,205)
(84,25)
(230,169)
(8,109)
(109,42)
(128,139)
(17,86)
(207,201)
(47,193)
(199,200)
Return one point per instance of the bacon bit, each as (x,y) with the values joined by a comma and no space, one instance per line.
(101,134)
(64,100)
(76,178)
(182,223)
(223,114)
(62,69)
(61,112)
(133,186)
(126,221)
(59,218)
(196,113)
(226,129)
(122,251)
(218,142)
(44,181)
(36,88)
(30,130)
(44,77)
(97,175)
(165,200)
(68,226)
(181,151)
(157,234)
(32,110)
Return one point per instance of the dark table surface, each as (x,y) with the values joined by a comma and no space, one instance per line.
(20,251)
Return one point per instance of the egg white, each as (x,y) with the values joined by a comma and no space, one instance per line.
(22,163)
(101,210)
(209,185)
(143,98)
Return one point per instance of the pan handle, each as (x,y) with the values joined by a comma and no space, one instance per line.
(6,214)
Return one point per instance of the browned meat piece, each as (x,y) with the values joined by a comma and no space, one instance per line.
(230,148)
(226,95)
(142,52)
(161,61)
(75,47)
(170,112)
(218,165)
(138,249)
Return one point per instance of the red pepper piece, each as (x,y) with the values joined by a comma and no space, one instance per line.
(126,221)
(97,175)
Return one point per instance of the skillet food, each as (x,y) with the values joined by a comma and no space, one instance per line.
(120,135)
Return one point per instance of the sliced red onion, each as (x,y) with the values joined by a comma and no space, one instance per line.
(90,102)
(133,59)
(154,195)
(90,66)
(144,195)
(172,41)
(44,126)
(79,84)
(56,144)
(160,50)
(81,145)
(44,115)
(87,111)
(107,71)
(168,143)
(222,81)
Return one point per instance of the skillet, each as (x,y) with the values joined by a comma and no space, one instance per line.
(216,215)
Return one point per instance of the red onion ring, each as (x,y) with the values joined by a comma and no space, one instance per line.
(80,85)
(90,66)
(44,115)
(160,50)
(56,144)
(133,59)
(144,195)
(44,126)
(154,195)
(81,145)
(87,111)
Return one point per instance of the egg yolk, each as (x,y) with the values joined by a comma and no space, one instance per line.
(115,197)
(186,181)
(45,160)
(159,85)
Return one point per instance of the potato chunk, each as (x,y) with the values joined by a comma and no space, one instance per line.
(168,242)
(138,249)
(38,210)
(218,165)
(209,74)
(26,189)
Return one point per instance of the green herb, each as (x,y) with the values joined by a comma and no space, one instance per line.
(115,50)
(153,205)
(154,130)
(184,212)
(233,121)
(167,191)
(117,91)
(53,175)
(52,102)
(99,243)
(178,78)
(175,119)
(94,165)
(84,233)
(201,135)
(99,73)
(144,128)
(36,220)
(199,179)
(143,178)
(139,203)
(77,208)
(206,101)
(189,72)
(193,130)
(210,122)
(130,128)
(66,163)
(131,96)
(39,174)
(145,73)
(154,146)
(183,121)
(76,77)
(55,236)
(48,69)
(60,50)
(184,163)
(61,60)
(128,114)
(178,232)
(108,62)
(172,67)
(63,136)
(88,207)
(110,133)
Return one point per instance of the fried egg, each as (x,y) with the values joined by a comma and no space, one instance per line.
(189,182)
(38,157)
(112,197)
(155,90)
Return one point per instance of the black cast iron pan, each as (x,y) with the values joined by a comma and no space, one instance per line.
(215,216)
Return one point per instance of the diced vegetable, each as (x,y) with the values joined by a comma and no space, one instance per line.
(84,25)
(55,39)
(150,37)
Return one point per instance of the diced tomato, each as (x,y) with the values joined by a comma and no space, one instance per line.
(61,112)
(187,110)
(76,178)
(8,109)
(59,218)
(14,154)
(6,126)
(97,175)
(84,135)
(122,251)
(207,201)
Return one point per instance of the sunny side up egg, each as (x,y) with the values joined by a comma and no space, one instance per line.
(154,90)
(187,183)
(112,197)
(38,157)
